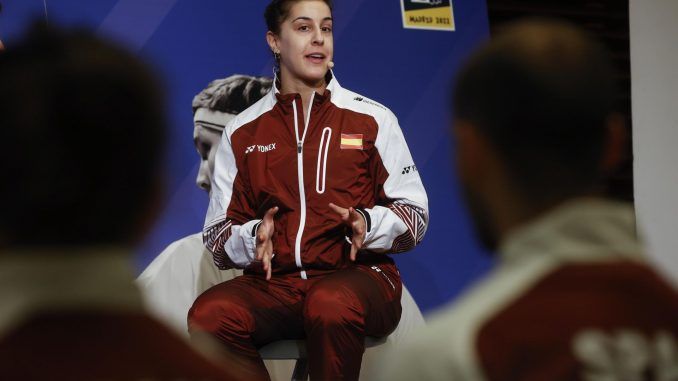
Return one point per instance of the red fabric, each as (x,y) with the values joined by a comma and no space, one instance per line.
(533,337)
(354,178)
(100,346)
(334,312)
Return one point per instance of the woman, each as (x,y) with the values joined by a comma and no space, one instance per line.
(313,185)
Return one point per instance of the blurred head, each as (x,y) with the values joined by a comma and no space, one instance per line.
(300,34)
(81,157)
(213,108)
(534,123)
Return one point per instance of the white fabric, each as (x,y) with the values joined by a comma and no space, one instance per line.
(584,230)
(32,282)
(241,247)
(386,227)
(175,278)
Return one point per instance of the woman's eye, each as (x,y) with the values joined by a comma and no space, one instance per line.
(304,28)
(327,29)
(204,151)
(202,154)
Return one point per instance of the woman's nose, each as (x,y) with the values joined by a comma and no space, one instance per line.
(203,179)
(318,38)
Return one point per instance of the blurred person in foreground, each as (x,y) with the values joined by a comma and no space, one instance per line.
(571,297)
(81,143)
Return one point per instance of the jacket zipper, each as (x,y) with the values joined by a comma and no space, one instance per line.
(380,271)
(300,176)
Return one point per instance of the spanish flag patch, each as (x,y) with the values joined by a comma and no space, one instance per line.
(351,141)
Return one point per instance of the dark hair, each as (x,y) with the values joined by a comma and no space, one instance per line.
(541,92)
(277,11)
(232,94)
(81,159)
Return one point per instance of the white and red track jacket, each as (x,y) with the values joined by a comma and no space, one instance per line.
(346,149)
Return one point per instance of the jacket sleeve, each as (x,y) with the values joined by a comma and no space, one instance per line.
(230,226)
(399,220)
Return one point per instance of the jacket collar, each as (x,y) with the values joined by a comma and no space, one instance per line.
(333,87)
(580,229)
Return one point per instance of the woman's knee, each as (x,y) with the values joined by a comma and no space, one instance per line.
(329,306)
(219,315)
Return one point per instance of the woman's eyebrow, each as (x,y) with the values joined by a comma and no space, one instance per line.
(306,18)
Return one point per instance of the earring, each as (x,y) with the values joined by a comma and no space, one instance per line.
(276,62)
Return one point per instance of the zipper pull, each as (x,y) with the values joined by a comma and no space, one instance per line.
(298,147)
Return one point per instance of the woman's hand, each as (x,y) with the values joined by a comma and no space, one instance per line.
(356,222)
(264,243)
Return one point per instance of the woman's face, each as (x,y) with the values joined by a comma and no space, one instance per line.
(206,140)
(305,41)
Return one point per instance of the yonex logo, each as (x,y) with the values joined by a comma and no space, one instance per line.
(266,148)
(408,169)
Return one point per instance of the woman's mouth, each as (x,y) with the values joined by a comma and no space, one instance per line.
(316,58)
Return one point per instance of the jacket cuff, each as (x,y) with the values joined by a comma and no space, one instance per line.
(368,224)
(366,217)
(255,228)
(248,238)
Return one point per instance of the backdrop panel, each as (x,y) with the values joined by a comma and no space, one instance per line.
(409,70)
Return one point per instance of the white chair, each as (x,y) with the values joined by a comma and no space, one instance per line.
(296,350)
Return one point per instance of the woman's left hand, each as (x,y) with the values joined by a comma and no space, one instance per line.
(264,249)
(356,222)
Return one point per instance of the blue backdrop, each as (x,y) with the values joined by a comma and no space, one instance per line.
(192,42)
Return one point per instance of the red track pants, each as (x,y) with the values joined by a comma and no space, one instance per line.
(333,312)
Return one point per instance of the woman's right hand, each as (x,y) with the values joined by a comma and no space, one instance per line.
(264,242)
